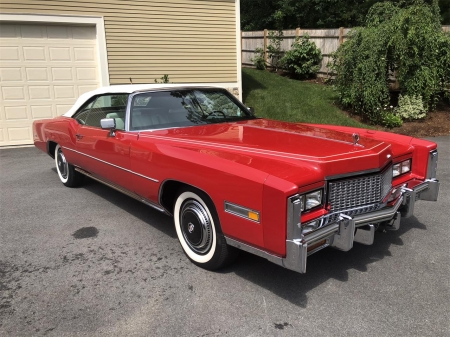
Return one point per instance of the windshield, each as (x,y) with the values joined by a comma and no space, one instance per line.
(188,107)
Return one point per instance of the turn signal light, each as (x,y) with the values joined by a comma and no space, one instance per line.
(253,216)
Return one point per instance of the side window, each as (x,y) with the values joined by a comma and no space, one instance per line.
(105,106)
(83,112)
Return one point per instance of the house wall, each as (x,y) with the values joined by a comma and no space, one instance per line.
(190,40)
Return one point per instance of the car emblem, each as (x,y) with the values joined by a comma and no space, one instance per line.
(190,227)
(355,138)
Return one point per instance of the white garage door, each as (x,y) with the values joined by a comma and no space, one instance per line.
(43,70)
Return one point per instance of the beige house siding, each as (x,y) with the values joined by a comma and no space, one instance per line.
(190,40)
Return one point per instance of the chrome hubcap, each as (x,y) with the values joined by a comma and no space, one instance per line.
(62,164)
(196,226)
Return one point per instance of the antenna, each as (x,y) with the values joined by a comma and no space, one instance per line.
(131,81)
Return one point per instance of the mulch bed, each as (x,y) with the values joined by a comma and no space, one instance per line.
(437,123)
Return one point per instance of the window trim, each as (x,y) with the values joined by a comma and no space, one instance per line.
(132,95)
(93,99)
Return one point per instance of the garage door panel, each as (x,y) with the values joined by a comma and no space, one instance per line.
(64,91)
(61,109)
(43,70)
(62,74)
(37,74)
(9,74)
(41,112)
(34,54)
(12,93)
(16,113)
(9,54)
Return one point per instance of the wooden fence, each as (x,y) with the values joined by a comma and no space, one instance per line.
(327,40)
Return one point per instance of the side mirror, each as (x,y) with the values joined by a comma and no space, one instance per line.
(251,109)
(109,124)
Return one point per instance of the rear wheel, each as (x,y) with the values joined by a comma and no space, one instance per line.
(198,230)
(66,172)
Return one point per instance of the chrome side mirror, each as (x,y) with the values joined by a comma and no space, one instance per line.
(109,124)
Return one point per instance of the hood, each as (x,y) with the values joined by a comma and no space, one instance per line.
(291,151)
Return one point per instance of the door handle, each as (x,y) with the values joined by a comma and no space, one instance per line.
(79,136)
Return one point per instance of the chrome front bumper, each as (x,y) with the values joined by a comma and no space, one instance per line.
(346,230)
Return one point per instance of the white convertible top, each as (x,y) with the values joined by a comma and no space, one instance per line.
(126,89)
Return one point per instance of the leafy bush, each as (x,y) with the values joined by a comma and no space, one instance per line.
(391,120)
(410,107)
(407,43)
(163,79)
(304,58)
(258,60)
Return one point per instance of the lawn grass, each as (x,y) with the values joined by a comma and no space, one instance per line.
(281,98)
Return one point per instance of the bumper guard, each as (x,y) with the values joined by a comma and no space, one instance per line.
(345,231)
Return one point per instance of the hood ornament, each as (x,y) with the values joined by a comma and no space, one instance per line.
(355,137)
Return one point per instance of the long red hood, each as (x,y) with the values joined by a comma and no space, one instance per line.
(295,152)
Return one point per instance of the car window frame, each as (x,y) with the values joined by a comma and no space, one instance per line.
(132,95)
(93,99)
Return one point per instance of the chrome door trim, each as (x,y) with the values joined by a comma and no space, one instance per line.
(119,167)
(124,191)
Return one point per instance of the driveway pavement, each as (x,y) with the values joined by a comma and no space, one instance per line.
(93,262)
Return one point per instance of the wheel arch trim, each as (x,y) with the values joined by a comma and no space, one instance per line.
(161,190)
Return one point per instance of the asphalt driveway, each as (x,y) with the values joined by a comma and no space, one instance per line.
(93,262)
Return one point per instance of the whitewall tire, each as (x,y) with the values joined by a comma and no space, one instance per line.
(66,172)
(198,230)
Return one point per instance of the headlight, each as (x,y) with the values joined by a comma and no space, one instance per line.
(311,200)
(401,168)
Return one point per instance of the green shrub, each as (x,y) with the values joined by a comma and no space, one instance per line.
(391,120)
(258,60)
(163,79)
(303,59)
(407,42)
(410,107)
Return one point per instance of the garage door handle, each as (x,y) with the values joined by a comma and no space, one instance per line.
(78,136)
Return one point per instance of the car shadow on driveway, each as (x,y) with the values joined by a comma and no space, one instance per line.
(322,266)
(134,207)
(294,287)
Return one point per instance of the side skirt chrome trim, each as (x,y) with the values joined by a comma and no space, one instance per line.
(124,191)
(261,253)
(105,162)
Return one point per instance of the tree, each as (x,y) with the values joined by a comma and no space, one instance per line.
(260,14)
(402,40)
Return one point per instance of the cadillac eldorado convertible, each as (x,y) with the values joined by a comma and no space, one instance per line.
(234,181)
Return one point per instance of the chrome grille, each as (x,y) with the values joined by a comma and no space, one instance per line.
(356,192)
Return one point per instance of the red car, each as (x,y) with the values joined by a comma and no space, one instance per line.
(231,180)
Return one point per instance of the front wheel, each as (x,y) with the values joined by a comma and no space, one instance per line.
(66,172)
(198,230)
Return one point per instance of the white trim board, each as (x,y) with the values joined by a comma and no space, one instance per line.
(239,48)
(98,22)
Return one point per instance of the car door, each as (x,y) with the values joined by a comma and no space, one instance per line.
(103,153)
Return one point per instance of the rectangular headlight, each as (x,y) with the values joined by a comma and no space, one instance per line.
(406,166)
(396,170)
(313,199)
(400,168)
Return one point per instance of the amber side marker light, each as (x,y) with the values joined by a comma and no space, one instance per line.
(242,211)
(253,216)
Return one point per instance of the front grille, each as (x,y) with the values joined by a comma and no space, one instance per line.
(355,192)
